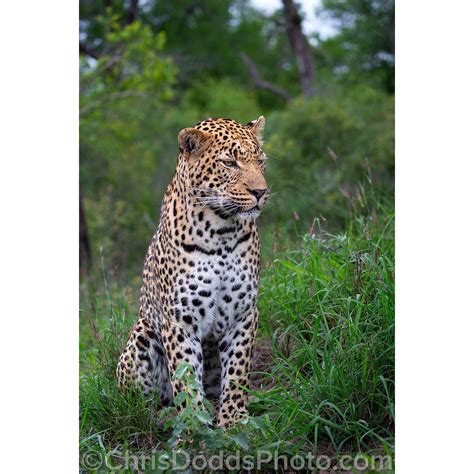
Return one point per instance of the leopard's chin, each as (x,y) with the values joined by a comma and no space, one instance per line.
(252,213)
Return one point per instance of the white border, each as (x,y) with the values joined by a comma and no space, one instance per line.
(434,230)
(39,251)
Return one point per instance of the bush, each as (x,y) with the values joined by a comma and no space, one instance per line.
(321,150)
(222,98)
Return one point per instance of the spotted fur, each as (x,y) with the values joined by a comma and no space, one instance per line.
(201,272)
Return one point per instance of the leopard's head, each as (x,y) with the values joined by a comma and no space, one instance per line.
(225,165)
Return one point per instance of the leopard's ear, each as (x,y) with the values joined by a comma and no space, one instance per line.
(257,127)
(192,141)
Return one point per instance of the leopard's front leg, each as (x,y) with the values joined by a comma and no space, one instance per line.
(183,345)
(236,355)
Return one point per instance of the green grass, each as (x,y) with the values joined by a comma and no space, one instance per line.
(328,308)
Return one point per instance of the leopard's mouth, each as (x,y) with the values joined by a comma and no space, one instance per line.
(236,210)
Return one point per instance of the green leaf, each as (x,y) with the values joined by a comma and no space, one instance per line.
(182,370)
(180,398)
(203,417)
(241,439)
(259,424)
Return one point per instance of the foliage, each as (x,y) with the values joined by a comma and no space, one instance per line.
(320,152)
(221,98)
(119,92)
(205,39)
(364,48)
(131,66)
(332,333)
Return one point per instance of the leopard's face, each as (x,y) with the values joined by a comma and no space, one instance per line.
(226,165)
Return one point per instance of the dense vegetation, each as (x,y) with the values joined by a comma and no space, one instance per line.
(149,69)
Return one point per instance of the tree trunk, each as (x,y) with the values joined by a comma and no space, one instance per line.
(84,244)
(132,12)
(301,48)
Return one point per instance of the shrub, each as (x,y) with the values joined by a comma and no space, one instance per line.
(321,150)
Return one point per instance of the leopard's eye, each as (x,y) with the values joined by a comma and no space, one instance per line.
(230,163)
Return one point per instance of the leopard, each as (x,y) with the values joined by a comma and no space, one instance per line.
(200,279)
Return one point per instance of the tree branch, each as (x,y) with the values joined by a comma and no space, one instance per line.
(84,49)
(261,83)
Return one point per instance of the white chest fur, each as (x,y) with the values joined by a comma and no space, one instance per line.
(218,290)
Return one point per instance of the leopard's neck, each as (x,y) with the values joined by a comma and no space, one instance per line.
(187,223)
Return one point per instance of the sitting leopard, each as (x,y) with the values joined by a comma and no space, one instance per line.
(201,272)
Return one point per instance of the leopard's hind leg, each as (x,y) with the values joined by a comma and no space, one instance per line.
(143,363)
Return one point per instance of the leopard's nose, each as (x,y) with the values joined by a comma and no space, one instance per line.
(258,193)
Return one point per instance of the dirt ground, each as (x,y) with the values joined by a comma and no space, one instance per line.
(262,361)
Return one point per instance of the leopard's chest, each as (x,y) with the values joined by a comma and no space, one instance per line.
(217,291)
